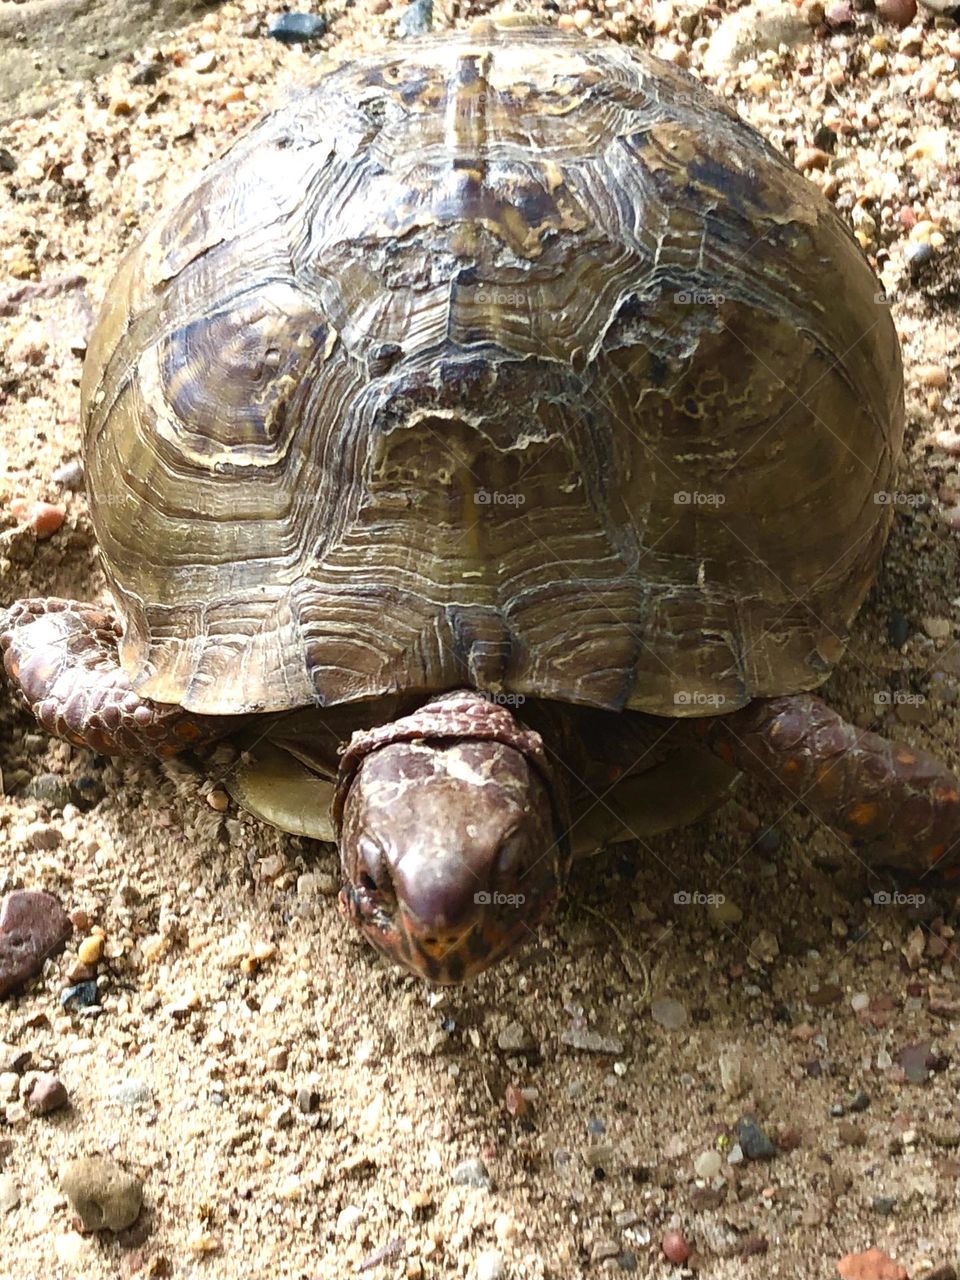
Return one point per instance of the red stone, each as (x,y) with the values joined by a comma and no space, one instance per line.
(675,1248)
(33,926)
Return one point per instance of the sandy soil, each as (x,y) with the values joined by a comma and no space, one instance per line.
(292,1105)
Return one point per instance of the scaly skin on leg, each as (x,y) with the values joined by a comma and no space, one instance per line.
(897,807)
(62,657)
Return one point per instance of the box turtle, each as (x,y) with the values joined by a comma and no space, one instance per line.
(493,445)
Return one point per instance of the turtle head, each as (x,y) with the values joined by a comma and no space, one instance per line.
(449,839)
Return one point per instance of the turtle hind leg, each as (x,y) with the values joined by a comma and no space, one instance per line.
(896,807)
(63,659)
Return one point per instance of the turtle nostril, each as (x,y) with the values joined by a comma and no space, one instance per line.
(368,883)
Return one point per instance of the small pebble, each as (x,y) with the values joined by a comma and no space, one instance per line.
(932,375)
(675,1248)
(50,788)
(669,1013)
(851,1135)
(146,72)
(308,1100)
(872,1265)
(9,1193)
(416,19)
(48,1094)
(297,28)
(753,1141)
(82,995)
(918,257)
(708,1164)
(860,1001)
(515,1038)
(731,1072)
(43,518)
(90,950)
(808,158)
(69,476)
(14,1058)
(471,1173)
(884,1205)
(722,914)
(938,628)
(348,1220)
(489,1265)
(218,800)
(591,1041)
(104,1195)
(900,12)
(131,1093)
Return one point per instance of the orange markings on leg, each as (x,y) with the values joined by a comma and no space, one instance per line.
(904,756)
(861,815)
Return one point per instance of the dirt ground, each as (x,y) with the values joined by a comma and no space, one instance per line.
(294,1107)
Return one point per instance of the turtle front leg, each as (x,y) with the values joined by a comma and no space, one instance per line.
(63,659)
(897,807)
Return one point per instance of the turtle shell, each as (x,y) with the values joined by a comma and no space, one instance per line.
(500,359)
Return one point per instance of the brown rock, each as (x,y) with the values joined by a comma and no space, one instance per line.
(48,1094)
(33,925)
(104,1195)
(900,12)
(44,518)
(872,1265)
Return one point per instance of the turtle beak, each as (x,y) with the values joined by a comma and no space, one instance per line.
(450,855)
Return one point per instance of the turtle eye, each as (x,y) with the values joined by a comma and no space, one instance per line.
(510,856)
(372,873)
